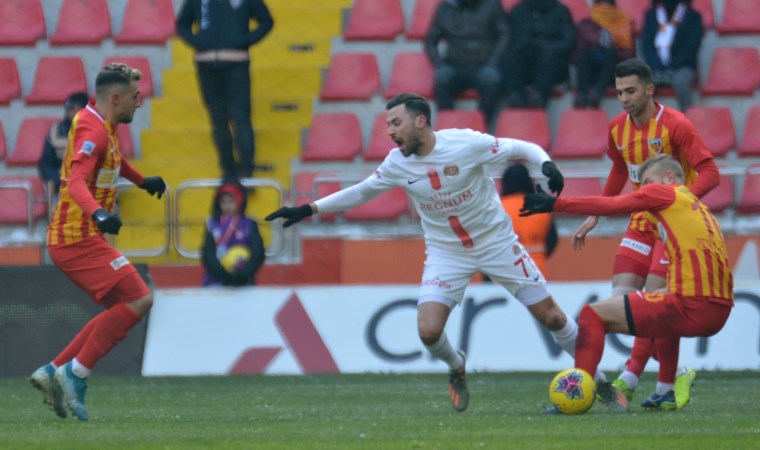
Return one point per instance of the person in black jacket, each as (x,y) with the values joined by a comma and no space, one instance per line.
(670,41)
(51,159)
(543,40)
(221,55)
(476,36)
(227,228)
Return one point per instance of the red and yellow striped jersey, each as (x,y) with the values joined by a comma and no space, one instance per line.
(694,245)
(93,154)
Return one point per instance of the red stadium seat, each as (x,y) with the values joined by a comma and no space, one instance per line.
(411,72)
(422,15)
(740,17)
(374,20)
(461,118)
(333,137)
(733,71)
(21,22)
(705,8)
(578,9)
(125,140)
(29,141)
(55,79)
(750,145)
(716,127)
(3,147)
(722,197)
(635,10)
(82,22)
(379,142)
(351,76)
(750,197)
(575,187)
(146,22)
(308,188)
(10,86)
(14,202)
(582,133)
(526,124)
(507,5)
(140,63)
(388,206)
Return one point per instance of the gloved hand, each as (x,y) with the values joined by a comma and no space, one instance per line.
(540,202)
(106,222)
(154,185)
(293,215)
(556,180)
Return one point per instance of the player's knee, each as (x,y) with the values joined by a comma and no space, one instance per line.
(428,335)
(142,305)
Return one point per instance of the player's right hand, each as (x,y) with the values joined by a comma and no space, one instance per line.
(293,215)
(579,237)
(106,222)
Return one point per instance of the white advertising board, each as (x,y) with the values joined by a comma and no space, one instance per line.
(354,329)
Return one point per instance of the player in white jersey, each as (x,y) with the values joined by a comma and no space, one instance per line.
(466,230)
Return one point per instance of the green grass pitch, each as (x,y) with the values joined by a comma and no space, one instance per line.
(372,411)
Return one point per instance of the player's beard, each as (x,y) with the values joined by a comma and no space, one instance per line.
(413,144)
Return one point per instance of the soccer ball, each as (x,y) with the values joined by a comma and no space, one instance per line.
(572,391)
(235,258)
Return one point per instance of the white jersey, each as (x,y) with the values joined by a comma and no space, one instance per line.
(450,187)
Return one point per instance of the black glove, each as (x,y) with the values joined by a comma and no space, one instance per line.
(556,180)
(154,185)
(239,279)
(293,215)
(541,202)
(106,222)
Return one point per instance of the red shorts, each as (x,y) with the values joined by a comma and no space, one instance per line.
(641,253)
(655,314)
(99,270)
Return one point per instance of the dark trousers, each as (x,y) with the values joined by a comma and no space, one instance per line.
(451,80)
(226,88)
(596,68)
(532,65)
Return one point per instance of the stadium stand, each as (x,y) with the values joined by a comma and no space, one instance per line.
(582,134)
(306,189)
(351,76)
(10,86)
(740,17)
(460,118)
(29,141)
(388,206)
(582,186)
(140,63)
(750,145)
(526,124)
(705,8)
(55,79)
(508,4)
(146,22)
(82,22)
(333,137)
(3,147)
(374,20)
(411,72)
(635,10)
(379,142)
(579,9)
(722,197)
(21,22)
(422,15)
(14,202)
(716,127)
(125,140)
(733,71)
(749,202)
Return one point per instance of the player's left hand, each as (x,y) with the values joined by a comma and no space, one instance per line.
(556,180)
(154,185)
(540,202)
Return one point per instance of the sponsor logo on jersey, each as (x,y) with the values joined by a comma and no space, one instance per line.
(495,146)
(451,170)
(87,147)
(636,246)
(655,146)
(413,181)
(436,282)
(119,262)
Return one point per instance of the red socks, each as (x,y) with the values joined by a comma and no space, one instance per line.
(642,349)
(99,336)
(589,345)
(667,351)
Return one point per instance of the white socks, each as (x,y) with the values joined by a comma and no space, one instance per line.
(566,336)
(630,379)
(79,370)
(446,353)
(663,388)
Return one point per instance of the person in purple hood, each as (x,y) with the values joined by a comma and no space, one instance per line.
(228,227)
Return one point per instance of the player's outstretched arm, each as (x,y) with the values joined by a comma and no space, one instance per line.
(291,215)
(540,202)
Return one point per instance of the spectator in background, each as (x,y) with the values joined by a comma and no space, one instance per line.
(537,233)
(49,165)
(475,37)
(221,41)
(670,42)
(229,227)
(604,39)
(543,40)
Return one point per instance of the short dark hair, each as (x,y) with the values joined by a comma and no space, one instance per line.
(515,179)
(634,66)
(415,104)
(77,98)
(115,73)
